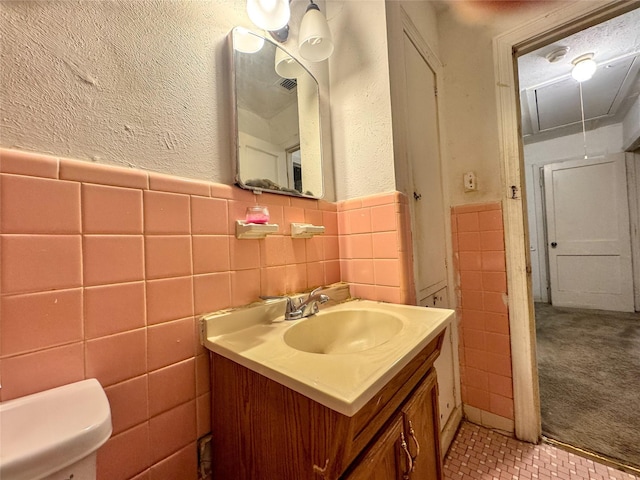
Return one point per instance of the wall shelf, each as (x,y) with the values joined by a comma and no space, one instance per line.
(305,230)
(254,230)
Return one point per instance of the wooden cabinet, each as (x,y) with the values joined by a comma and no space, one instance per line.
(408,448)
(264,430)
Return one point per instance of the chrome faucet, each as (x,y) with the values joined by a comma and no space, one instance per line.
(299,308)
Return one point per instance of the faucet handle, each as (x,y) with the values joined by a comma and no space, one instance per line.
(316,290)
(290,302)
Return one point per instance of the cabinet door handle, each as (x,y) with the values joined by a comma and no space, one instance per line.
(415,440)
(409,469)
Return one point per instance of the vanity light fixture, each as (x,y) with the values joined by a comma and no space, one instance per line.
(269,15)
(246,42)
(315,42)
(583,67)
(286,66)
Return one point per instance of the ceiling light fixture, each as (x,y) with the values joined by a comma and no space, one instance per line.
(315,43)
(583,67)
(557,54)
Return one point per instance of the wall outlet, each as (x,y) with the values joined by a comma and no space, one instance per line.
(470,183)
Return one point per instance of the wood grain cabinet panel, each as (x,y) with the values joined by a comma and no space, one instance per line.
(264,430)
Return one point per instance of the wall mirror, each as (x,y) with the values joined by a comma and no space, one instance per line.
(277,118)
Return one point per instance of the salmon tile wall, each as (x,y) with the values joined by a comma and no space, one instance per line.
(375,247)
(485,352)
(104,273)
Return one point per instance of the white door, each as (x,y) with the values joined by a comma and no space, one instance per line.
(423,148)
(262,160)
(427,207)
(588,234)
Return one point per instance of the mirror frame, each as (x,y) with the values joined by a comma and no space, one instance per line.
(235,134)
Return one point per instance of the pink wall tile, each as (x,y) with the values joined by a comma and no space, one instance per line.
(245,286)
(111,209)
(478,241)
(170,342)
(172,430)
(386,272)
(103,174)
(169,299)
(124,455)
(331,272)
(182,464)
(203,414)
(41,370)
(39,205)
(245,254)
(237,210)
(360,221)
(330,222)
(27,163)
(468,222)
(388,294)
(291,215)
(169,183)
(315,249)
(172,386)
(209,216)
(129,403)
(166,213)
(55,316)
(315,274)
(203,380)
(116,358)
(384,218)
(114,308)
(296,277)
(42,262)
(331,248)
(313,217)
(211,253)
(112,259)
(273,280)
(490,220)
(272,251)
(295,250)
(363,271)
(167,256)
(211,292)
(385,245)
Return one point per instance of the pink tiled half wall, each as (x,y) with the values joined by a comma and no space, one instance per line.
(485,351)
(105,271)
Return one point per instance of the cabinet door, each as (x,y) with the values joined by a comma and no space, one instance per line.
(386,459)
(422,430)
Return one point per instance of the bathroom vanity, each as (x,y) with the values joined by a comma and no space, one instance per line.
(365,408)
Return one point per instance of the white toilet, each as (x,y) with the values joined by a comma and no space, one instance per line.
(54,434)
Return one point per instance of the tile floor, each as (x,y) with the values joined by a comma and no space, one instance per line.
(479,453)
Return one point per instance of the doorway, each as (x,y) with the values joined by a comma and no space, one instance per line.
(565,21)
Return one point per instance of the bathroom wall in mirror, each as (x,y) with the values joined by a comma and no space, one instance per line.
(277,116)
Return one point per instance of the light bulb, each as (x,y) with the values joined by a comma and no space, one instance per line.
(246,42)
(583,70)
(269,14)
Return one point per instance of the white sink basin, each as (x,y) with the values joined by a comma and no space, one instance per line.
(340,357)
(343,331)
(40,434)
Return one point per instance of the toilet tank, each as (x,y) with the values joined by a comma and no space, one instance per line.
(43,433)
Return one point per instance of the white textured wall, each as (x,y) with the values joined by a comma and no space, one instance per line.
(125,82)
(360,99)
(469,101)
(631,126)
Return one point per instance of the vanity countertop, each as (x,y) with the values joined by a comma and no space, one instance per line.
(254,337)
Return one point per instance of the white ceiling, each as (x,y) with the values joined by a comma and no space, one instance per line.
(550,98)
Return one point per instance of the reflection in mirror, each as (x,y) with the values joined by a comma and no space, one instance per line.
(278,137)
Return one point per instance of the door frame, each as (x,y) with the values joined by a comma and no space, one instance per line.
(541,31)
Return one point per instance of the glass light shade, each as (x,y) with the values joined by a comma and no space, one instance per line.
(584,70)
(286,66)
(269,14)
(246,42)
(315,40)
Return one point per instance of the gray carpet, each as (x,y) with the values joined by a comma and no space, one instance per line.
(589,369)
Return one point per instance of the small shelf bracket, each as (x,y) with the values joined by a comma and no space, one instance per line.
(254,230)
(306,230)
